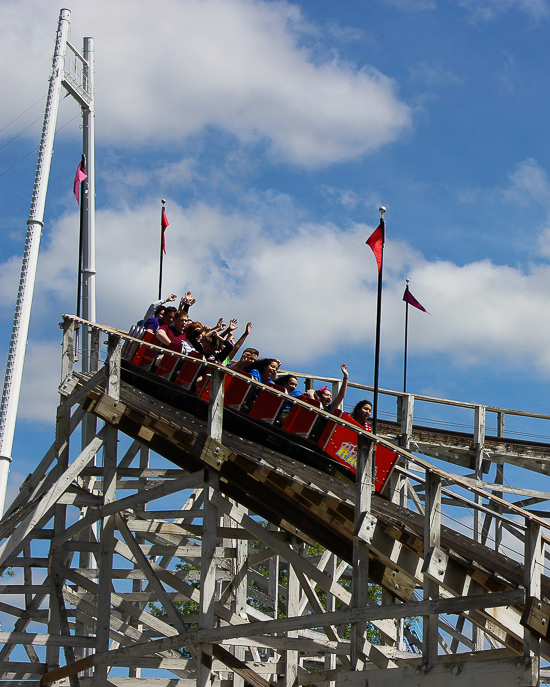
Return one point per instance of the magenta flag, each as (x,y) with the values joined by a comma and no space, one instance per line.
(409,298)
(78,179)
(164,223)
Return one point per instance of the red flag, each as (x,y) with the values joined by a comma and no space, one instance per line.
(376,243)
(164,223)
(409,298)
(79,178)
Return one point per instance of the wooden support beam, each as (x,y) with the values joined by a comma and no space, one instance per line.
(219,634)
(364,525)
(282,549)
(144,496)
(432,542)
(107,538)
(81,392)
(533,568)
(292,610)
(43,509)
(506,672)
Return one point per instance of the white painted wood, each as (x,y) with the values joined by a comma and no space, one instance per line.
(215,404)
(282,549)
(292,609)
(360,589)
(432,541)
(208,565)
(43,509)
(128,502)
(107,538)
(502,672)
(533,570)
(269,627)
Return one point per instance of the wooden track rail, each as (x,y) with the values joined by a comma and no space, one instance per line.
(155,545)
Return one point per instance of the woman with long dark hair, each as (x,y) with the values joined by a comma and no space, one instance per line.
(362,412)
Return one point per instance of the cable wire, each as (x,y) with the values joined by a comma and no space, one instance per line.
(22,113)
(37,147)
(21,132)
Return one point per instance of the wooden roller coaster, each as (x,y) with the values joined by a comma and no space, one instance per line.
(177,533)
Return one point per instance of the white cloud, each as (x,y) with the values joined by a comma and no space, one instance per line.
(413,5)
(490,9)
(39,395)
(165,72)
(308,289)
(433,74)
(528,183)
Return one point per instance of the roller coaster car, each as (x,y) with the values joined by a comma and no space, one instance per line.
(256,414)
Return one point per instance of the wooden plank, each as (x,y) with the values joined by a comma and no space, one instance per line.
(447,606)
(20,669)
(129,502)
(282,549)
(432,542)
(81,391)
(507,672)
(109,409)
(43,509)
(364,525)
(41,639)
(536,616)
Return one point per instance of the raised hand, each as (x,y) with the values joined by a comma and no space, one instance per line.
(233,325)
(344,369)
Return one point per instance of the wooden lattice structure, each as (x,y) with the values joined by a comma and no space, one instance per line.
(276,556)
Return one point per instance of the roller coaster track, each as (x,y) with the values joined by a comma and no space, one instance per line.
(177,542)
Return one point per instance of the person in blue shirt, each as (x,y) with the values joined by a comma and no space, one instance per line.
(264,370)
(290,383)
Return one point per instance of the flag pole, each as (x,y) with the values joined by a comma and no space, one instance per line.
(382,210)
(406,340)
(163,201)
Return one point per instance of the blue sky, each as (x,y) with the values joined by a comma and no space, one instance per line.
(275,130)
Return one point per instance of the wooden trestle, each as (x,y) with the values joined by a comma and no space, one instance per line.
(276,555)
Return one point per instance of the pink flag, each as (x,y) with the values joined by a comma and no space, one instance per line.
(409,298)
(79,178)
(376,243)
(164,223)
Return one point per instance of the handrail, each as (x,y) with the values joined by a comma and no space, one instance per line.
(420,397)
(355,385)
(453,478)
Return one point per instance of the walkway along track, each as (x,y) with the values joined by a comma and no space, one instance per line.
(97,589)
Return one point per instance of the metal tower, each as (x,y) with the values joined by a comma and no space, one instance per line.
(78,80)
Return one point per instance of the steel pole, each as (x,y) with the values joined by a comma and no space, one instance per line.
(88,204)
(378,326)
(20,329)
(406,341)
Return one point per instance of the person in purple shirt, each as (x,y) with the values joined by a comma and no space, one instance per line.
(167,317)
(152,310)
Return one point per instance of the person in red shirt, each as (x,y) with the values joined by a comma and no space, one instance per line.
(173,333)
(361,413)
